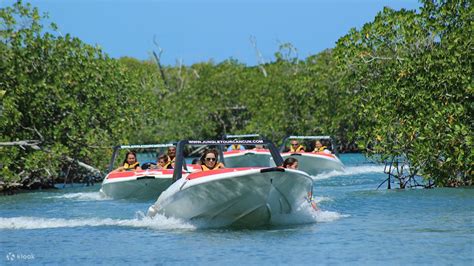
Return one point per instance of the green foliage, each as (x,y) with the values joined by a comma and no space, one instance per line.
(69,95)
(412,74)
(401,86)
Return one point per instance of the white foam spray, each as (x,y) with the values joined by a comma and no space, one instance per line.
(82,196)
(305,214)
(158,222)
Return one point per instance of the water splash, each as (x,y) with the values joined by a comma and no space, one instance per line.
(321,199)
(351,170)
(305,214)
(158,222)
(82,196)
(322,216)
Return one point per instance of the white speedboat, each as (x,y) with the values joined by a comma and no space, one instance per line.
(315,162)
(141,184)
(242,197)
(254,157)
(248,155)
(138,184)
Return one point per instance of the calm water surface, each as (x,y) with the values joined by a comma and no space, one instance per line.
(357,225)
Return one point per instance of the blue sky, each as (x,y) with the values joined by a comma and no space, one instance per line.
(200,30)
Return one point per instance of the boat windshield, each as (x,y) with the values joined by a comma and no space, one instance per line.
(145,153)
(256,153)
(308,142)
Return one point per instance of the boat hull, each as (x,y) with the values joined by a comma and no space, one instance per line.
(142,185)
(316,163)
(239,197)
(248,158)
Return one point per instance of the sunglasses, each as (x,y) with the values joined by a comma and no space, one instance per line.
(294,144)
(210,159)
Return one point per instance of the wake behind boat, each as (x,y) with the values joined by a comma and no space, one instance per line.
(242,197)
(320,160)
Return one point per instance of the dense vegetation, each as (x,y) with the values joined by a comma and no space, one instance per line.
(401,87)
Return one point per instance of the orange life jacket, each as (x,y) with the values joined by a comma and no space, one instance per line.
(235,147)
(320,149)
(128,167)
(217,166)
(298,149)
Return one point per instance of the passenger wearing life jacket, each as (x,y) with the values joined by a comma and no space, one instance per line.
(318,147)
(130,163)
(209,161)
(171,154)
(235,147)
(296,147)
(163,162)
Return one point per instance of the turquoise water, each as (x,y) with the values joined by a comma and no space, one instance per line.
(357,225)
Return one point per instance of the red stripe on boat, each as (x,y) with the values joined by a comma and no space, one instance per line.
(150,172)
(245,151)
(217,171)
(313,153)
(261,150)
(139,173)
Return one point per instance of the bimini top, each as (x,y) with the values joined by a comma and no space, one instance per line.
(179,164)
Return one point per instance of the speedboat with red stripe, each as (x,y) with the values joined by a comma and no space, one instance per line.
(253,157)
(249,155)
(314,163)
(144,184)
(241,197)
(141,184)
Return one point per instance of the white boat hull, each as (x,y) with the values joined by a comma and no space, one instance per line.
(245,198)
(316,163)
(248,158)
(145,189)
(143,185)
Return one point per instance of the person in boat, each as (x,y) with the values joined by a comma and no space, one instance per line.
(319,147)
(236,147)
(291,163)
(258,147)
(130,163)
(209,161)
(296,147)
(171,154)
(163,163)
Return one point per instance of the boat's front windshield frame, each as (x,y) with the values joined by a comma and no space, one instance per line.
(220,144)
(136,147)
(331,140)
